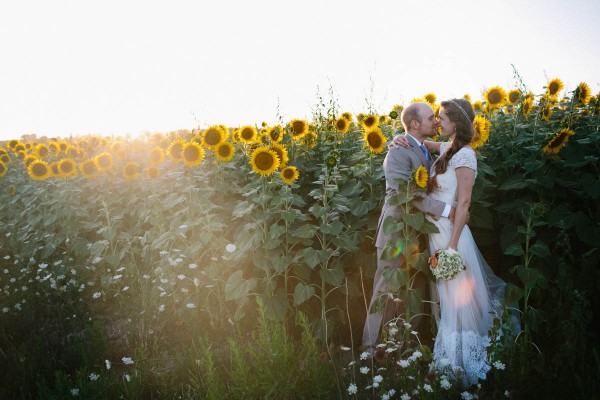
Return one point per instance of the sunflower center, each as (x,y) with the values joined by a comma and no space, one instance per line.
(191,153)
(247,134)
(264,161)
(369,121)
(66,167)
(104,162)
(298,127)
(374,140)
(224,151)
(341,124)
(553,88)
(494,97)
(288,173)
(513,97)
(39,169)
(212,137)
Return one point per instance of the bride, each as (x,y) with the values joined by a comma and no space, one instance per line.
(469,302)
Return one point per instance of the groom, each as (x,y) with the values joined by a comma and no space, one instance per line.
(419,123)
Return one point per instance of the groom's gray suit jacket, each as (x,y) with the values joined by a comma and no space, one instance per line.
(400,163)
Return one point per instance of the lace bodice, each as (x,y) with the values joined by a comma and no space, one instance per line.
(447,183)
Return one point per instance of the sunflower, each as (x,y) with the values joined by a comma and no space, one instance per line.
(11,189)
(554,87)
(247,134)
(192,154)
(495,97)
(104,161)
(224,151)
(527,106)
(514,96)
(374,140)
(175,149)
(282,153)
(342,125)
(54,170)
(477,105)
(28,146)
(3,169)
(370,121)
(54,147)
(467,97)
(41,150)
(264,161)
(547,112)
(152,172)
(13,143)
(299,128)
(310,139)
(275,133)
(29,159)
(557,141)
(72,152)
(289,174)
(20,147)
(481,130)
(417,100)
(39,170)
(157,155)
(583,93)
(88,168)
(21,155)
(430,98)
(131,170)
(213,136)
(420,177)
(63,145)
(67,168)
(347,116)
(5,158)
(117,147)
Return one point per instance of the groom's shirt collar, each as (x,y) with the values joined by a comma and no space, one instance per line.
(415,138)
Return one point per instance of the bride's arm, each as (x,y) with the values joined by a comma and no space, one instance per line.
(465,178)
(431,145)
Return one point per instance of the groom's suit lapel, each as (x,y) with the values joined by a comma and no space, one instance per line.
(414,146)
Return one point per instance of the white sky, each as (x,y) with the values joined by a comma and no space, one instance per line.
(122,67)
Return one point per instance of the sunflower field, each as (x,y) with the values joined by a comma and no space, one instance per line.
(235,262)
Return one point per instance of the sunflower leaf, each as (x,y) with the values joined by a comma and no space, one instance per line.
(306,231)
(303,292)
(414,220)
(334,276)
(390,225)
(514,249)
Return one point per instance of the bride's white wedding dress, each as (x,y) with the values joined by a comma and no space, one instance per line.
(470,301)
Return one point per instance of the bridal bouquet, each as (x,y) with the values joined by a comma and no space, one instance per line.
(446,264)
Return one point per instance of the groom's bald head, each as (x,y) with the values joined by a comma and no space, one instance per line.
(418,119)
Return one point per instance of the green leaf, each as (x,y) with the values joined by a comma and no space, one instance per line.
(533,318)
(428,227)
(390,225)
(306,231)
(392,250)
(237,287)
(513,294)
(335,276)
(332,228)
(276,231)
(401,199)
(514,250)
(516,182)
(395,277)
(540,249)
(529,276)
(310,256)
(414,220)
(302,293)
(414,302)
(275,304)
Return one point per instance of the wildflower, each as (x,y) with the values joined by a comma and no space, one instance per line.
(506,393)
(364,355)
(127,378)
(192,266)
(415,355)
(108,364)
(378,379)
(126,288)
(405,396)
(445,384)
(466,396)
(364,370)
(181,277)
(403,363)
(161,308)
(344,348)
(127,360)
(352,389)
(499,365)
(74,392)
(96,295)
(190,305)
(94,377)
(427,387)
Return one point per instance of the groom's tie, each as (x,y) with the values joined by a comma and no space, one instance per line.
(425,153)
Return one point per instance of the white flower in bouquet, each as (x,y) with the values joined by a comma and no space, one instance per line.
(446,264)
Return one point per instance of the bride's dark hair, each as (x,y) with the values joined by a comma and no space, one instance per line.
(463,119)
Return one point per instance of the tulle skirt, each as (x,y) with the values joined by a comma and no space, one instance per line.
(468,305)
